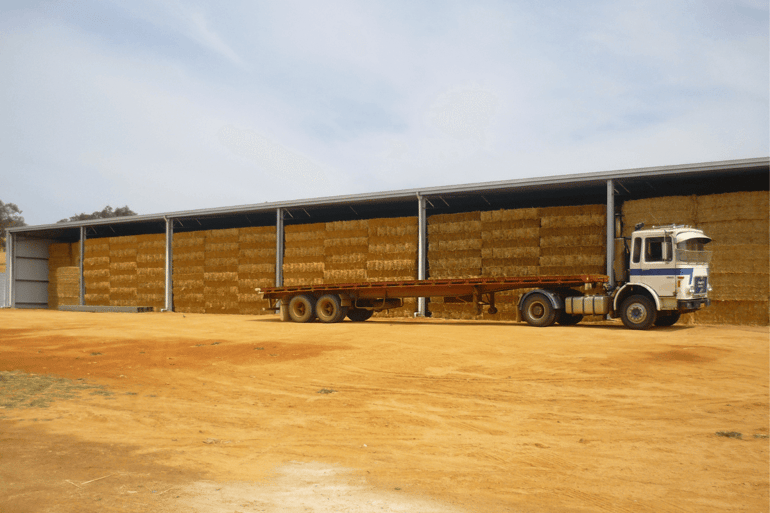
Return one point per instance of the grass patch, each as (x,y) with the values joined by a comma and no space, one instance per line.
(22,390)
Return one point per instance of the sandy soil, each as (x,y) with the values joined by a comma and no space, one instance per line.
(193,413)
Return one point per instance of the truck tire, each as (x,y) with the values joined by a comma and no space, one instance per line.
(668,319)
(537,310)
(638,312)
(328,308)
(566,319)
(302,308)
(359,314)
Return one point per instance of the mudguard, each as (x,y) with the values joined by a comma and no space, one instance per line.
(556,301)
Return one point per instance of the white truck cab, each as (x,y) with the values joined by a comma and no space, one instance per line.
(668,274)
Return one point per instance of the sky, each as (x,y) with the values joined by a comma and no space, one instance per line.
(168,105)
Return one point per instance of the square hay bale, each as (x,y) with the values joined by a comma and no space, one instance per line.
(734,206)
(736,312)
(659,211)
(96,299)
(737,232)
(740,258)
(740,286)
(406,311)
(510,215)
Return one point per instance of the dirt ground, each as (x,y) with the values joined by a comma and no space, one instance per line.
(163,412)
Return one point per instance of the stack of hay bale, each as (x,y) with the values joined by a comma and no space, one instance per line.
(454,251)
(392,256)
(346,247)
(220,271)
(738,225)
(256,267)
(510,247)
(573,240)
(2,261)
(63,275)
(123,277)
(188,277)
(304,254)
(679,210)
(151,270)
(96,271)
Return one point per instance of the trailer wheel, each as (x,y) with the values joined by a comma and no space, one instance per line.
(359,314)
(538,311)
(328,308)
(566,319)
(638,312)
(668,320)
(302,308)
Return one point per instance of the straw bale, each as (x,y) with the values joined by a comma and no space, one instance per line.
(572,250)
(510,252)
(122,267)
(193,240)
(101,262)
(753,312)
(96,299)
(357,259)
(740,286)
(488,263)
(595,220)
(303,267)
(740,258)
(547,233)
(219,261)
(123,280)
(390,275)
(297,232)
(247,285)
(362,241)
(254,254)
(335,251)
(572,260)
(392,248)
(151,273)
(393,227)
(151,240)
(96,274)
(733,206)
(303,252)
(300,278)
(258,234)
(210,277)
(659,211)
(574,210)
(456,245)
(526,235)
(189,258)
(468,228)
(450,262)
(510,215)
(494,271)
(186,286)
(220,290)
(737,232)
(568,270)
(344,275)
(597,239)
(122,293)
(452,310)
(151,260)
(267,269)
(223,248)
(222,236)
(56,249)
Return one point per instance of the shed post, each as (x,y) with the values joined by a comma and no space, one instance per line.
(422,250)
(611,232)
(279,244)
(10,239)
(82,287)
(169,303)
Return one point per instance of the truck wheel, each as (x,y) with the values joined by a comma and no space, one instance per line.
(538,311)
(328,308)
(302,308)
(638,312)
(566,319)
(667,320)
(359,314)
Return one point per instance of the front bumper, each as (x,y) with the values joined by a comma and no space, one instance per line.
(690,305)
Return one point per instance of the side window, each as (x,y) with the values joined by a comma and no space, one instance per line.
(657,249)
(637,250)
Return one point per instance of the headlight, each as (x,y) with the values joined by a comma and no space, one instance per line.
(691,290)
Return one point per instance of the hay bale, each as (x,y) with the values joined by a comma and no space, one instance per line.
(734,206)
(573,240)
(740,286)
(454,245)
(304,254)
(739,312)
(737,232)
(659,211)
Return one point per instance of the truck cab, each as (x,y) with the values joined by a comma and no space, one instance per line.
(669,266)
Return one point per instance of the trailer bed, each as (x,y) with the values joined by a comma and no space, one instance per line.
(434,287)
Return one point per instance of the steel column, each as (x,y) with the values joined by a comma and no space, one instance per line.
(82,283)
(611,231)
(10,239)
(279,244)
(169,306)
(422,250)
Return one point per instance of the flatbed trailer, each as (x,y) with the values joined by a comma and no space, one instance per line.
(358,301)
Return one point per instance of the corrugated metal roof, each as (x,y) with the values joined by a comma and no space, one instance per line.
(548,182)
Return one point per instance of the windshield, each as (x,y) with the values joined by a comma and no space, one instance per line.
(692,251)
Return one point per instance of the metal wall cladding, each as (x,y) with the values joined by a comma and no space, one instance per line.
(587,305)
(4,290)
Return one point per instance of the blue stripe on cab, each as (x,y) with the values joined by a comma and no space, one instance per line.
(660,272)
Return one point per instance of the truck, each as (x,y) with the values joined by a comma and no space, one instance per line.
(662,272)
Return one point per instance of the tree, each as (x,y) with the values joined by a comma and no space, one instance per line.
(10,216)
(106,213)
